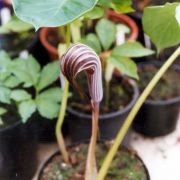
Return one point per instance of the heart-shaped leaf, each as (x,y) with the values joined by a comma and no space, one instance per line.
(51,13)
(161,25)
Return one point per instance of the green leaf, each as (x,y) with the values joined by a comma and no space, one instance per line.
(92,41)
(161,25)
(12,82)
(131,49)
(49,74)
(48,109)
(106,31)
(51,13)
(95,13)
(27,70)
(53,94)
(5,95)
(125,65)
(2,111)
(5,65)
(16,25)
(20,95)
(26,109)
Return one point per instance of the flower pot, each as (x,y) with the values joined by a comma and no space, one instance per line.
(14,43)
(127,162)
(158,117)
(79,123)
(52,50)
(44,130)
(118,18)
(124,19)
(18,152)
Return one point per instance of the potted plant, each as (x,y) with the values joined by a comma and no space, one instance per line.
(44,105)
(16,36)
(95,99)
(18,152)
(120,92)
(159,114)
(51,37)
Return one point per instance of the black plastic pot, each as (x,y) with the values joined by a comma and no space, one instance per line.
(158,118)
(18,152)
(79,124)
(44,130)
(56,153)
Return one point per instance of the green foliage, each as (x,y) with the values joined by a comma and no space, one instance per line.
(48,75)
(26,109)
(161,24)
(20,95)
(92,41)
(122,6)
(131,49)
(17,75)
(106,31)
(2,111)
(95,13)
(125,65)
(15,25)
(51,13)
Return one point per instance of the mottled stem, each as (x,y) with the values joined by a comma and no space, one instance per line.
(91,169)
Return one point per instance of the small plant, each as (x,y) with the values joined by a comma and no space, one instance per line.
(114,56)
(20,77)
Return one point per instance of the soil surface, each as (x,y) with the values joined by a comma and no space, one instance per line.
(10,117)
(167,88)
(120,94)
(126,165)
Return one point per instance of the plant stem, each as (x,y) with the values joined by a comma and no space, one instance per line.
(91,170)
(107,94)
(132,114)
(59,135)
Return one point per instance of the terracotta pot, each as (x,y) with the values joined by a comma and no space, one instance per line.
(53,52)
(122,18)
(116,17)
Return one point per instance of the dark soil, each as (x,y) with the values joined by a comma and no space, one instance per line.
(126,165)
(167,88)
(120,94)
(10,117)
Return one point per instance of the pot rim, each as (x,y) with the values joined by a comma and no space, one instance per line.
(11,126)
(112,114)
(57,152)
(161,102)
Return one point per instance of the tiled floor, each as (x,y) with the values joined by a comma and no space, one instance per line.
(161,155)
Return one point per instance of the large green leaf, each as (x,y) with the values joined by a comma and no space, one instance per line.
(106,31)
(20,95)
(5,95)
(53,94)
(125,65)
(49,74)
(51,12)
(26,109)
(48,109)
(27,70)
(12,82)
(131,49)
(161,25)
